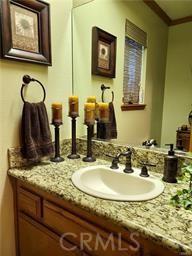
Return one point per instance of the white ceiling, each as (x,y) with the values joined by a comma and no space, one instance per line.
(176,9)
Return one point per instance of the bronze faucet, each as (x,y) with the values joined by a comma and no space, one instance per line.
(128,165)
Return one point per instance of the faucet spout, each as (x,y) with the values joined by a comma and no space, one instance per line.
(128,166)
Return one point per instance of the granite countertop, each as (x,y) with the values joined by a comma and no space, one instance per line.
(155,219)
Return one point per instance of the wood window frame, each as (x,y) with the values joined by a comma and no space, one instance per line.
(128,107)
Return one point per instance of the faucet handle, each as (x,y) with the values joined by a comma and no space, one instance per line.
(148,164)
(144,170)
(109,156)
(115,161)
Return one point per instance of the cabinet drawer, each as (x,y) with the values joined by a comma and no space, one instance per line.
(87,236)
(29,203)
(37,240)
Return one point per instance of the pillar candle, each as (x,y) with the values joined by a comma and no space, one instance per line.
(56,112)
(91,99)
(73,106)
(104,111)
(89,113)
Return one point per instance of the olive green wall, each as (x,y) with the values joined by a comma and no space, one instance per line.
(77,3)
(110,15)
(57,80)
(178,83)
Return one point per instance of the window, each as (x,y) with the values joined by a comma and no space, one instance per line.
(133,87)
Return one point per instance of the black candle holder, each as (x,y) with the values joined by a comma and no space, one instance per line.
(73,154)
(89,157)
(57,158)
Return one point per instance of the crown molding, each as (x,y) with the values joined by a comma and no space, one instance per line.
(157,9)
(181,20)
(163,15)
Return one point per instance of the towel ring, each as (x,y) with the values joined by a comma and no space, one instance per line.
(26,80)
(103,88)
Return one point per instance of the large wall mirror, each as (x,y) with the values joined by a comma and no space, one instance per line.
(165,67)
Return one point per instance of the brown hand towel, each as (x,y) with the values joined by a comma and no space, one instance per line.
(35,132)
(113,123)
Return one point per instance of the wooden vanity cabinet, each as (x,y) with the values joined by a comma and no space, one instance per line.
(49,226)
(35,239)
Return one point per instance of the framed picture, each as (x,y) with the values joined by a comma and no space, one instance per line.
(103,53)
(25,31)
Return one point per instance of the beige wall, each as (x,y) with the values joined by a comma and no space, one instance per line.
(178,84)
(110,15)
(57,80)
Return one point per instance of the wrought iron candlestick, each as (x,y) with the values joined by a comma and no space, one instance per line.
(57,158)
(89,157)
(73,154)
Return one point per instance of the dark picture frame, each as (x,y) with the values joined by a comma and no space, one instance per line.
(25,31)
(103,53)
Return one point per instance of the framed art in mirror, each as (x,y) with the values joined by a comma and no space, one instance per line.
(25,31)
(103,53)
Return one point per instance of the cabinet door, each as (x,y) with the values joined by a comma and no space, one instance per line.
(94,240)
(36,240)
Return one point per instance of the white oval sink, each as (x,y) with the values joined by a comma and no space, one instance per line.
(103,182)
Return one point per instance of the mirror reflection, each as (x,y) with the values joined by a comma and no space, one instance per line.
(145,63)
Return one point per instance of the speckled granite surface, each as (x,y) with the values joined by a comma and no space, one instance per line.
(154,219)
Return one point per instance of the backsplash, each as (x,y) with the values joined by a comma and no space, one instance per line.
(101,150)
(16,160)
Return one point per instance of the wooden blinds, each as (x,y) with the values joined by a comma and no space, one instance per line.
(135,33)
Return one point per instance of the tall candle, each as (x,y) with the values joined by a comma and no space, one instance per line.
(89,113)
(91,99)
(73,106)
(104,111)
(56,112)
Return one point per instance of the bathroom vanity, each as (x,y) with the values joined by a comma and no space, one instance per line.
(52,215)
